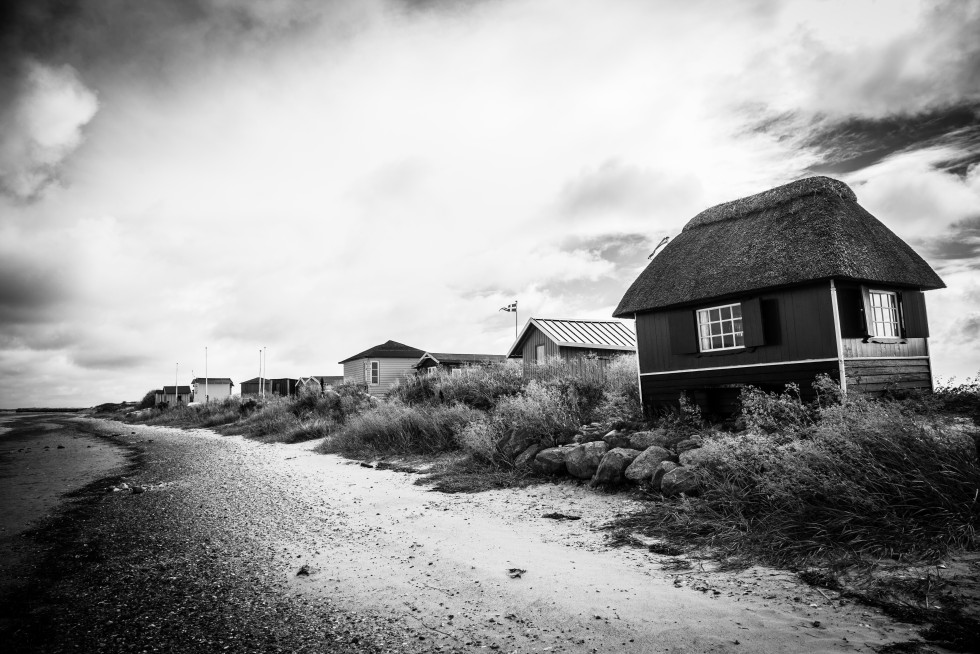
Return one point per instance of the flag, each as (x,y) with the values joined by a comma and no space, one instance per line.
(510,308)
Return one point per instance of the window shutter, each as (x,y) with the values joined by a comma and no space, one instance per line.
(851,308)
(683,332)
(914,314)
(866,312)
(752,330)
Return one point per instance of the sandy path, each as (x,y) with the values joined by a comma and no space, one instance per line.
(435,567)
(401,549)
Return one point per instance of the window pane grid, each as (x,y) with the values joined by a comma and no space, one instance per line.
(720,328)
(884,314)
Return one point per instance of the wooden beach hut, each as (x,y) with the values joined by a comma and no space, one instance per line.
(381,366)
(585,345)
(776,288)
(434,361)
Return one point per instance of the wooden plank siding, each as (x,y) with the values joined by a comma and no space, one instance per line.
(879,375)
(716,391)
(535,338)
(857,348)
(798,324)
(391,370)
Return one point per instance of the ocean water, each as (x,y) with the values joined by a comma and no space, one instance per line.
(42,457)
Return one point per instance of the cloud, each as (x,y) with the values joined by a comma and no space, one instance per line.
(868,60)
(320,177)
(621,190)
(42,127)
(109,361)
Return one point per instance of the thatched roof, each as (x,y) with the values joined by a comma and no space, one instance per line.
(803,231)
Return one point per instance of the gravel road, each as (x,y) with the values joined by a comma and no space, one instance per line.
(237,546)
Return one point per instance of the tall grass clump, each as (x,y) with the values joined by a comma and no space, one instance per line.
(398,428)
(862,477)
(621,393)
(212,414)
(540,415)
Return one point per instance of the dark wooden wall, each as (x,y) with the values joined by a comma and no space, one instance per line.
(798,324)
(716,391)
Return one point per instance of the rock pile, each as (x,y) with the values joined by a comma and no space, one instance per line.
(649,458)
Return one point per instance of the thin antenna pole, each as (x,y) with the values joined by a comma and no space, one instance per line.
(265,368)
(206,396)
(258,391)
(176,372)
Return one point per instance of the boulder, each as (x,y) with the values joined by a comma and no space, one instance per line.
(587,437)
(515,442)
(687,444)
(617,439)
(641,440)
(658,475)
(679,480)
(527,456)
(583,460)
(692,457)
(614,463)
(551,461)
(642,469)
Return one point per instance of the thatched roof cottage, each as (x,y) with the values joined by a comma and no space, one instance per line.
(779,287)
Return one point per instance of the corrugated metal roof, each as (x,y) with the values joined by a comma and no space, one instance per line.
(594,334)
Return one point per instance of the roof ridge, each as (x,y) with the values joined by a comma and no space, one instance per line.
(774,197)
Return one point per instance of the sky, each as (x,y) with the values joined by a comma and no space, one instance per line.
(318,177)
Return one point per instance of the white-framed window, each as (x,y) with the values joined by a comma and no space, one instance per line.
(539,353)
(720,328)
(456,372)
(375,372)
(884,320)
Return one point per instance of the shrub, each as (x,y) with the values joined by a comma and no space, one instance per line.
(415,389)
(148,401)
(865,478)
(481,387)
(771,412)
(397,428)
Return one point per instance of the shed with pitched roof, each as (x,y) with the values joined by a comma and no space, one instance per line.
(435,361)
(381,366)
(571,340)
(777,288)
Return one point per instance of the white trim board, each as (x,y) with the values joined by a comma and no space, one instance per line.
(747,365)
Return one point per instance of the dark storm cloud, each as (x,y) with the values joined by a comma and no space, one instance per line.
(29,290)
(962,244)
(857,143)
(109,360)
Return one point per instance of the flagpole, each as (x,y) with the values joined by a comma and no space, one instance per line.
(176,373)
(515,319)
(206,396)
